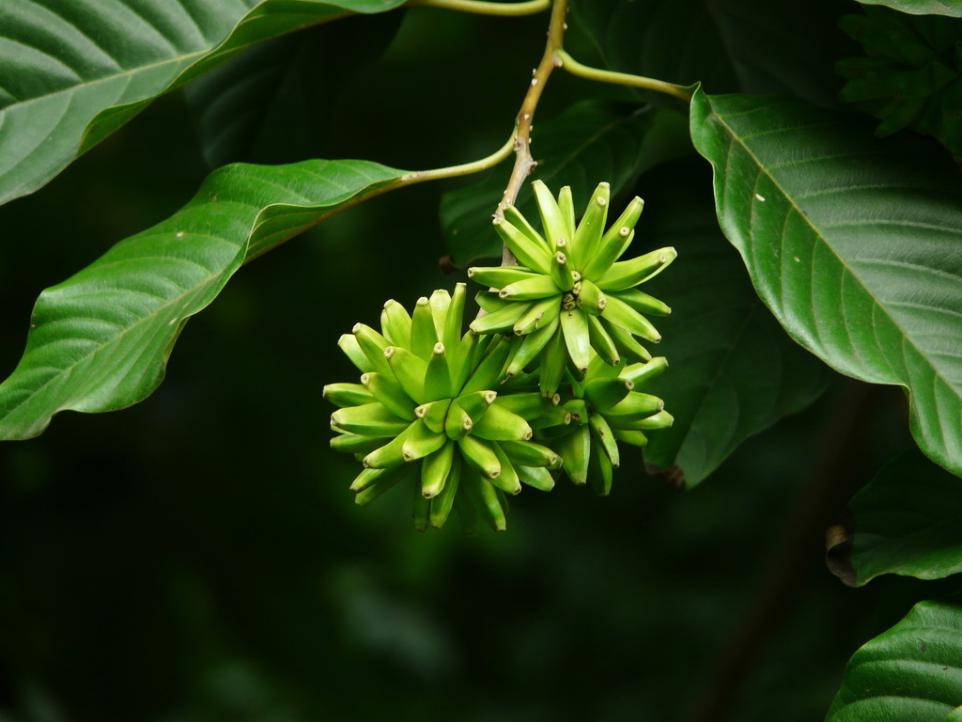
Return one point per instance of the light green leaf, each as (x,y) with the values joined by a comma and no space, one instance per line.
(952,8)
(72,73)
(588,143)
(100,340)
(908,521)
(732,370)
(853,243)
(910,673)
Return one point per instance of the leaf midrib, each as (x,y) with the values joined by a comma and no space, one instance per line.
(78,87)
(848,269)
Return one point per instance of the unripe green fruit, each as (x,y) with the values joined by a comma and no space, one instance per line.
(607,407)
(427,413)
(572,274)
(551,374)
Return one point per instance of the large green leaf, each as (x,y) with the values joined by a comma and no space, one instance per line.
(908,521)
(71,73)
(100,340)
(853,243)
(910,673)
(732,370)
(952,8)
(727,45)
(588,143)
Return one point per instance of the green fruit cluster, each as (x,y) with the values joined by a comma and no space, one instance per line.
(569,291)
(545,379)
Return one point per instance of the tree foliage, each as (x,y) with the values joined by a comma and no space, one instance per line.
(801,160)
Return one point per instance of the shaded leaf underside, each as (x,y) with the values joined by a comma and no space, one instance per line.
(726,45)
(732,370)
(908,521)
(589,142)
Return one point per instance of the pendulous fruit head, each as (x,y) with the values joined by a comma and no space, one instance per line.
(570,293)
(463,420)
(429,413)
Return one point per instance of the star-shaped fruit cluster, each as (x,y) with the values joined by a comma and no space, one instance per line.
(569,292)
(546,380)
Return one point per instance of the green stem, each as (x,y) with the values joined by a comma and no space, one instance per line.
(408,179)
(524,162)
(609,76)
(480,7)
(456,171)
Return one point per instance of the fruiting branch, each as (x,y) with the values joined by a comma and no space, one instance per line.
(524,162)
(564,60)
(456,171)
(479,7)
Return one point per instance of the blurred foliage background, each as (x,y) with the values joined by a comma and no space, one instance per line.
(199,558)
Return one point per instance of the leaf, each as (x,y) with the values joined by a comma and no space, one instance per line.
(952,8)
(727,45)
(910,75)
(732,370)
(272,103)
(913,671)
(73,73)
(853,243)
(100,340)
(588,143)
(908,521)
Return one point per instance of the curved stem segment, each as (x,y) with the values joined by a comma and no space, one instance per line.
(480,7)
(455,171)
(610,76)
(409,179)
(524,162)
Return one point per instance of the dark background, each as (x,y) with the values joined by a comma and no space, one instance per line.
(199,558)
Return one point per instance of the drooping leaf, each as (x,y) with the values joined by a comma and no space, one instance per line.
(952,8)
(588,143)
(273,102)
(908,521)
(853,243)
(732,371)
(910,75)
(727,45)
(100,340)
(913,671)
(73,73)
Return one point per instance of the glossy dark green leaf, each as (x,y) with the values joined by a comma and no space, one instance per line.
(910,673)
(100,340)
(588,143)
(733,372)
(71,73)
(952,8)
(908,521)
(853,243)
(727,45)
(273,102)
